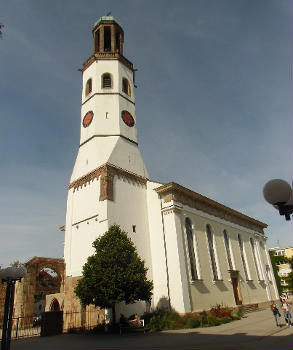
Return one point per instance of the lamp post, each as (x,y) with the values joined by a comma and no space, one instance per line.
(9,276)
(279,193)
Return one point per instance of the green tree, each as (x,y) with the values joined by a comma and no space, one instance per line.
(289,278)
(275,260)
(115,273)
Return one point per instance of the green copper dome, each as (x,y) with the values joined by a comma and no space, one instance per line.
(106,19)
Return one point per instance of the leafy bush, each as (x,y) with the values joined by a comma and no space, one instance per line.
(219,311)
(203,320)
(213,320)
(193,322)
(226,319)
(163,319)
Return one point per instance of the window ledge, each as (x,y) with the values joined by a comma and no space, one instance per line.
(194,281)
(218,280)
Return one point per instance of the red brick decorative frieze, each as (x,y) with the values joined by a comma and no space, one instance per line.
(106,189)
(177,193)
(107,172)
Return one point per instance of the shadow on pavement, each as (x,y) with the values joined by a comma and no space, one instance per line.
(280,340)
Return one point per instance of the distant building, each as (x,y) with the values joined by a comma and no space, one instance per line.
(198,251)
(284,267)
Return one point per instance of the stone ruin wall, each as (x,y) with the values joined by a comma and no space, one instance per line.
(74,315)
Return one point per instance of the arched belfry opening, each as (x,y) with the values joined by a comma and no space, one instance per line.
(108,36)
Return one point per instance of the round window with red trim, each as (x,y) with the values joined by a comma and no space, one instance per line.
(127,118)
(87,119)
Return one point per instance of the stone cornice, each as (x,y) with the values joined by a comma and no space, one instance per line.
(107,172)
(178,193)
(107,56)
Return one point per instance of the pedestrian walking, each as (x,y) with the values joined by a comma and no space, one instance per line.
(287,314)
(282,299)
(276,314)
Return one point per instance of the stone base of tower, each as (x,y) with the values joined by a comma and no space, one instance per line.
(74,315)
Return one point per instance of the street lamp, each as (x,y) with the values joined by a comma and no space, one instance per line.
(9,275)
(279,193)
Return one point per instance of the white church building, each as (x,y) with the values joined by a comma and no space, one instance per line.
(198,252)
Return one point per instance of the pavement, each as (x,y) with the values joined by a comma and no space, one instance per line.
(256,331)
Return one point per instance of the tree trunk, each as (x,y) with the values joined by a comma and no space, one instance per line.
(113,314)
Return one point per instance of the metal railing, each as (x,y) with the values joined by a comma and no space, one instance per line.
(22,327)
(25,327)
(83,320)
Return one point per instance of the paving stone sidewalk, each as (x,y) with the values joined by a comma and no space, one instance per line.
(256,331)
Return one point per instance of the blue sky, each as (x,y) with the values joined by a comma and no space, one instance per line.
(213,105)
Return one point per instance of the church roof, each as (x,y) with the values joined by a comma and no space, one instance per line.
(183,195)
(109,19)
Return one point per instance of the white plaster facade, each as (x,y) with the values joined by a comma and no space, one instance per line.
(153,214)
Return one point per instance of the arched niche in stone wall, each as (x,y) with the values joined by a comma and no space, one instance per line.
(55,306)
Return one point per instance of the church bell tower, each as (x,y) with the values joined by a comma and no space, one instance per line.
(108,122)
(108,148)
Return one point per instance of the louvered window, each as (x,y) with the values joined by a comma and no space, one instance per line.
(107,82)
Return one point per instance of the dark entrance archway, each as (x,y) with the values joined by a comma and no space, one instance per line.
(55,305)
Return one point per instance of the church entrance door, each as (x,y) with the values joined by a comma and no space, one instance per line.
(236,290)
(236,287)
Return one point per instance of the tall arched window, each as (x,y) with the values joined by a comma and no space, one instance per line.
(212,252)
(228,251)
(261,250)
(126,86)
(243,257)
(256,262)
(190,246)
(106,81)
(88,87)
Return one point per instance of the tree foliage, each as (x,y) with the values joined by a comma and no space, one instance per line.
(16,263)
(115,273)
(276,261)
(289,278)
